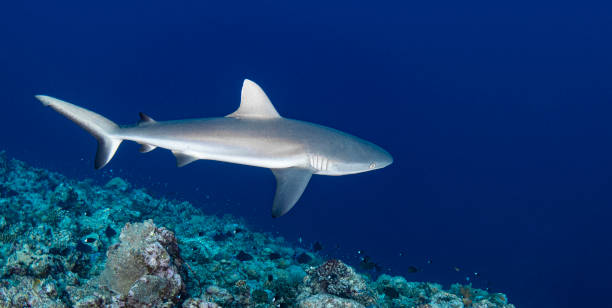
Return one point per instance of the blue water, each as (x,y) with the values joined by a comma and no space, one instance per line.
(497,115)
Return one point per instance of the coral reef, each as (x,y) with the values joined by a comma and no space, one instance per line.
(336,278)
(67,243)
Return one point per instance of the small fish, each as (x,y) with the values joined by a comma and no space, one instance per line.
(457,269)
(219,237)
(83,248)
(243,256)
(90,240)
(110,232)
(274,256)
(367,264)
(412,269)
(303,258)
(317,246)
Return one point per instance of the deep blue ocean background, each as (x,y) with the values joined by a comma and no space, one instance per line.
(497,115)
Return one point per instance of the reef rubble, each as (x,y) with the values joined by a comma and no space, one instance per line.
(69,243)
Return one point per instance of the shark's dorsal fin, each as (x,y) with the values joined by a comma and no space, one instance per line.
(144,119)
(290,184)
(254,103)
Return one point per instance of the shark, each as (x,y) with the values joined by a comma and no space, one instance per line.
(255,135)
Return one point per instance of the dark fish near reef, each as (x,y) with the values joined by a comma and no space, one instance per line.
(254,135)
(83,248)
(304,258)
(412,269)
(110,232)
(391,292)
(243,256)
(367,264)
(274,256)
(317,246)
(219,237)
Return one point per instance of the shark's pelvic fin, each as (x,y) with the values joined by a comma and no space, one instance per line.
(146,148)
(100,127)
(254,103)
(183,159)
(290,184)
(144,119)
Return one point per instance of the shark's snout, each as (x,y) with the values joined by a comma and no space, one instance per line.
(386,160)
(383,159)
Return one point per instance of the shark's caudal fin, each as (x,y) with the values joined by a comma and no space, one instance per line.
(290,184)
(100,127)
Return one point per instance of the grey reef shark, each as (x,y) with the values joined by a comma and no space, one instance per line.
(255,135)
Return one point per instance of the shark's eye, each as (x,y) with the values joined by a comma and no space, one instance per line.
(372,165)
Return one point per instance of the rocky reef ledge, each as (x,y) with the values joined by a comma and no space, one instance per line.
(67,243)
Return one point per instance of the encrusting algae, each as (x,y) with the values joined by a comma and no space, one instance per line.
(67,243)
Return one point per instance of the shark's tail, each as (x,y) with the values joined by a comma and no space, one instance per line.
(100,127)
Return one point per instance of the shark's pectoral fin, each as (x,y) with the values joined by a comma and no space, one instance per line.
(254,103)
(290,184)
(183,159)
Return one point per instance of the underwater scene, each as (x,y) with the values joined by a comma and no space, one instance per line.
(434,154)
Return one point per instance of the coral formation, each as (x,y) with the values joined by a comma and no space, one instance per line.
(336,278)
(67,243)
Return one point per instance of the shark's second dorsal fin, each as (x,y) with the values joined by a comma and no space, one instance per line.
(254,103)
(144,119)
